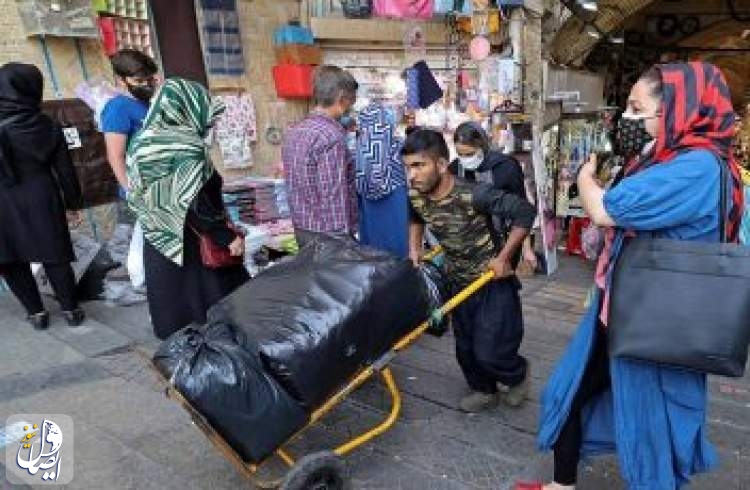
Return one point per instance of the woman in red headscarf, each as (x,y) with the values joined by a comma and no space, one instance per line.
(679,128)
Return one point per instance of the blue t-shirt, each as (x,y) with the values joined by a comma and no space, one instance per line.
(678,199)
(123,115)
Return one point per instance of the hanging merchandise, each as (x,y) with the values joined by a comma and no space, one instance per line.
(235,131)
(293,33)
(108,35)
(293,81)
(404,9)
(298,54)
(493,21)
(133,34)
(96,93)
(429,89)
(87,149)
(444,7)
(415,43)
(502,78)
(479,48)
(69,18)
(222,40)
(357,9)
(412,88)
(545,157)
(578,139)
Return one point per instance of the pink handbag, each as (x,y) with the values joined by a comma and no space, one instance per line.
(404,9)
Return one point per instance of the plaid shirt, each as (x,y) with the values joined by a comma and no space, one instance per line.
(320,176)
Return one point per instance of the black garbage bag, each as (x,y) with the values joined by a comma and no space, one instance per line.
(323,315)
(216,368)
(439,291)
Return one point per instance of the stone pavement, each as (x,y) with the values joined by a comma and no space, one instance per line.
(129,436)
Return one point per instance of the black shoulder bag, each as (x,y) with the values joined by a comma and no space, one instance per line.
(683,304)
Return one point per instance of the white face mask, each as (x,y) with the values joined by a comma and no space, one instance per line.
(472,162)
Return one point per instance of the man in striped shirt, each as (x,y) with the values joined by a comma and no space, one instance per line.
(319,168)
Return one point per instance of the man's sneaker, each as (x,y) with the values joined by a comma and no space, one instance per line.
(40,321)
(75,317)
(478,402)
(516,395)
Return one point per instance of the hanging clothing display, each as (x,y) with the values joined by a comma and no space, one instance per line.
(381,182)
(578,139)
(222,40)
(236,131)
(422,89)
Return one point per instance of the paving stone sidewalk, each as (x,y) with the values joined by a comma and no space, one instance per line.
(130,436)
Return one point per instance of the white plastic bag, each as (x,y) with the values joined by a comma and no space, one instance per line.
(135,258)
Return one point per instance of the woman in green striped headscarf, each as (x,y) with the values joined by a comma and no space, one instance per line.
(176,193)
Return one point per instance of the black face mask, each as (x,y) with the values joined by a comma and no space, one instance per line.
(142,92)
(632,136)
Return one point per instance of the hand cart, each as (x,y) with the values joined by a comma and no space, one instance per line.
(325,470)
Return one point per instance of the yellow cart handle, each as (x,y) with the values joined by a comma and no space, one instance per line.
(432,253)
(449,306)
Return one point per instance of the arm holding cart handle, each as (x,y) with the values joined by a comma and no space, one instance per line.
(506,206)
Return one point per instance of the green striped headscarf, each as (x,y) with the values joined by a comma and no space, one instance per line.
(168,162)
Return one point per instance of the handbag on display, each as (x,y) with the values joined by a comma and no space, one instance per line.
(357,9)
(681,303)
(404,9)
(213,255)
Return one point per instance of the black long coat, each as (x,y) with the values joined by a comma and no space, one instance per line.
(37,178)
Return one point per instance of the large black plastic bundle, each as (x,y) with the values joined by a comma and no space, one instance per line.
(323,315)
(219,371)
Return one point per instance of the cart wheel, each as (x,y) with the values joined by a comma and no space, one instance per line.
(318,471)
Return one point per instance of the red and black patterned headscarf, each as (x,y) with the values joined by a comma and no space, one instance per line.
(697,114)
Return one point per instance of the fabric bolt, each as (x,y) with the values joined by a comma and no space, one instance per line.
(223,42)
(654,416)
(168,162)
(320,176)
(37,178)
(236,130)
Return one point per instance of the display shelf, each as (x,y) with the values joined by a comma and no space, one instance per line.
(372,30)
(133,34)
(132,9)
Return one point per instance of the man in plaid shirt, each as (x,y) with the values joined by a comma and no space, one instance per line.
(320,173)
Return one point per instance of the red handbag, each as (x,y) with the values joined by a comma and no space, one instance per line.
(213,255)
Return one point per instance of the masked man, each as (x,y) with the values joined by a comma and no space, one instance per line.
(479,227)
(123,115)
